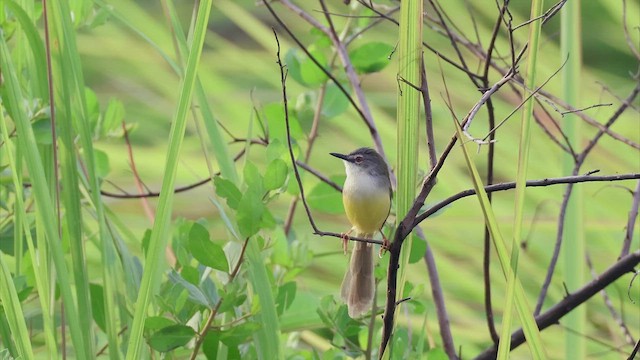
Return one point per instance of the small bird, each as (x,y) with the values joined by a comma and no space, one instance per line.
(367,201)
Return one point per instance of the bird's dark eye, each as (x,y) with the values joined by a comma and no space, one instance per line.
(359,159)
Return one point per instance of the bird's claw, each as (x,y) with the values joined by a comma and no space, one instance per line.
(385,246)
(345,241)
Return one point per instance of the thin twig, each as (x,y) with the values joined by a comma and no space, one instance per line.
(283,83)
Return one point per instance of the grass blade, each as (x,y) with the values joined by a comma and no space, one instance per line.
(573,237)
(504,346)
(529,325)
(157,243)
(45,211)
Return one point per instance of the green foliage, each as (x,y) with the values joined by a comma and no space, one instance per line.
(371,57)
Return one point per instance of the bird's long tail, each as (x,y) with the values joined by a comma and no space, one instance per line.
(358,283)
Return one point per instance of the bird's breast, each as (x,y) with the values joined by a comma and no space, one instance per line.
(366,202)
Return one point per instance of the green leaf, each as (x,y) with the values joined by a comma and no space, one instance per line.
(42,131)
(335,102)
(113,117)
(275,175)
(249,213)
(171,337)
(418,249)
(154,323)
(102,163)
(286,294)
(437,354)
(97,305)
(252,177)
(205,251)
(303,70)
(276,126)
(211,344)
(227,190)
(371,57)
(195,294)
(325,198)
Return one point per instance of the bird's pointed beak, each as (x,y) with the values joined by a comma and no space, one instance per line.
(342,156)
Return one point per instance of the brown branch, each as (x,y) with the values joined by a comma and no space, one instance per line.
(571,301)
(567,194)
(511,185)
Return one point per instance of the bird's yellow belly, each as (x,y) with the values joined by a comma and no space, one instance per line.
(367,212)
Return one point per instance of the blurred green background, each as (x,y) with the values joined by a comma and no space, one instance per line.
(239,73)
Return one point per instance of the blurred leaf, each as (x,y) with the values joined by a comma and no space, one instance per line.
(113,116)
(371,57)
(249,214)
(274,112)
(205,251)
(195,294)
(93,109)
(325,198)
(145,241)
(253,178)
(42,131)
(211,344)
(418,249)
(437,354)
(102,163)
(227,190)
(275,175)
(275,150)
(399,344)
(305,109)
(335,102)
(97,305)
(286,295)
(171,337)
(238,334)
(153,323)
(303,70)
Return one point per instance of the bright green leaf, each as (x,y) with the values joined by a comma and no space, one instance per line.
(205,251)
(371,57)
(113,116)
(227,190)
(249,213)
(276,126)
(275,175)
(252,177)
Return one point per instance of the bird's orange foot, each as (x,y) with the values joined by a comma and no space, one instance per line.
(384,247)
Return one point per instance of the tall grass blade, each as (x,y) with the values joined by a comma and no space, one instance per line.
(504,346)
(531,331)
(39,271)
(573,237)
(45,211)
(13,311)
(408,115)
(157,243)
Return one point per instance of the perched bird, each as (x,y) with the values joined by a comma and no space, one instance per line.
(367,200)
